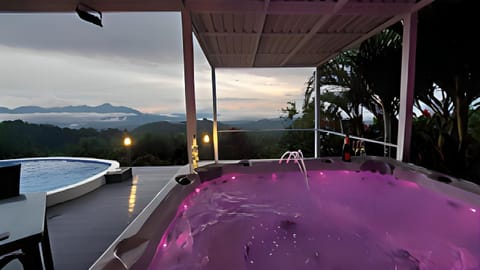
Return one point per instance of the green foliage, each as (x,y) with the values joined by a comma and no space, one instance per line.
(474,124)
(368,77)
(236,146)
(290,110)
(299,140)
(155,144)
(19,139)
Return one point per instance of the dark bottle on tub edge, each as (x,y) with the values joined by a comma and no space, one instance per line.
(347,149)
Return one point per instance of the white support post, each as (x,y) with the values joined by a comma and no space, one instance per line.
(407,85)
(317,112)
(215,121)
(189,86)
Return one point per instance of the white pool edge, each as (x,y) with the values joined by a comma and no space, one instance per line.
(77,189)
(81,188)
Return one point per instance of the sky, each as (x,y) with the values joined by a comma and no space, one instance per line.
(135,60)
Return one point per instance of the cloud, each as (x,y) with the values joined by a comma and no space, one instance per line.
(31,77)
(136,60)
(65,118)
(146,37)
(238,99)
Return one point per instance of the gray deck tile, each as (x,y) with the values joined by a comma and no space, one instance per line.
(82,229)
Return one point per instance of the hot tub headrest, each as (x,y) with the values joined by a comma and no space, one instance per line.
(381,167)
(185,179)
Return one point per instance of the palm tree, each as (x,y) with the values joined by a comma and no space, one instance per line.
(379,63)
(344,89)
(370,77)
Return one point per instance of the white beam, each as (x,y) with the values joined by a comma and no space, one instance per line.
(322,22)
(246,54)
(203,45)
(224,6)
(317,112)
(324,8)
(260,27)
(376,9)
(279,35)
(188,68)
(299,7)
(379,28)
(302,8)
(407,85)
(215,121)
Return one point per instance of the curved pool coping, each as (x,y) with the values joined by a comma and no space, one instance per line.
(130,249)
(75,190)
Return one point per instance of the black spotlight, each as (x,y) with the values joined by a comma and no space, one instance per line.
(89,14)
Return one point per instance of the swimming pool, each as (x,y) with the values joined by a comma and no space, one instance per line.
(359,215)
(56,175)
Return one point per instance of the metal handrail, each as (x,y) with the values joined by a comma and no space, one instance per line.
(307,129)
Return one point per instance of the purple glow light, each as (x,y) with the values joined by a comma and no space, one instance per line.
(410,184)
(359,221)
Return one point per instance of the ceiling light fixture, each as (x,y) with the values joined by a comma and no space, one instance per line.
(89,14)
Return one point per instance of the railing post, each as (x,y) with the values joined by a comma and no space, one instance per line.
(407,85)
(317,113)
(188,70)
(215,121)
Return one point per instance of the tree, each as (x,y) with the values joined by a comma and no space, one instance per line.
(379,63)
(368,76)
(301,140)
(447,63)
(340,75)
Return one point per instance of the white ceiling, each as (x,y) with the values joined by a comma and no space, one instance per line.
(261,33)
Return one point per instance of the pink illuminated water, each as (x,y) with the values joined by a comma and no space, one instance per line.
(346,220)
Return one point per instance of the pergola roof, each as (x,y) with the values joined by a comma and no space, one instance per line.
(261,33)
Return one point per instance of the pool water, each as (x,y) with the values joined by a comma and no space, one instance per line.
(52,174)
(344,220)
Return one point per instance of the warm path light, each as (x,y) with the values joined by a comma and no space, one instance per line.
(127,141)
(206,138)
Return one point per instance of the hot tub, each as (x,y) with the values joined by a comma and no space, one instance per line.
(368,214)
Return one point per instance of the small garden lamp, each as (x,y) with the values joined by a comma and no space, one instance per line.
(127,142)
(207,146)
(206,138)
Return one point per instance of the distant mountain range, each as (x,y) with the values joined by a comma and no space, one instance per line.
(109,116)
(104,108)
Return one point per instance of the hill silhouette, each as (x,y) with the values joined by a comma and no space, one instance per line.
(103,108)
(157,143)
